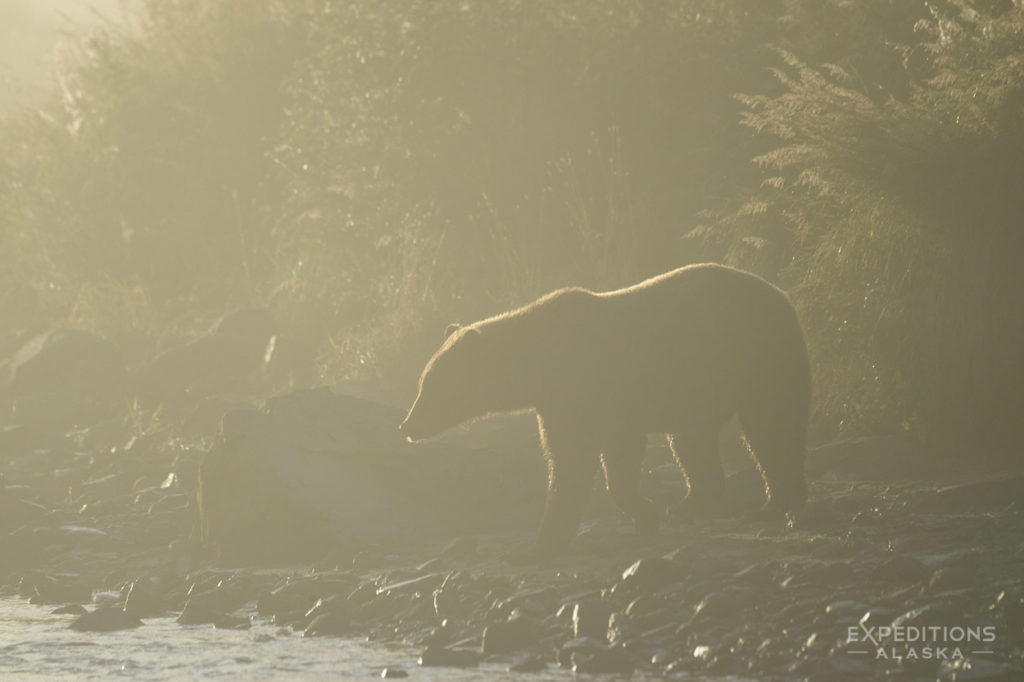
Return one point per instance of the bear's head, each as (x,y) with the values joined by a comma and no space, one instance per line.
(450,386)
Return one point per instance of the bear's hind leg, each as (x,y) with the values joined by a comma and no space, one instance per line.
(622,457)
(696,452)
(777,440)
(572,459)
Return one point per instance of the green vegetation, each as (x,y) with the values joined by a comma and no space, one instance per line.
(371,170)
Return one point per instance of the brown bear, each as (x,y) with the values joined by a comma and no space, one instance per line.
(680,354)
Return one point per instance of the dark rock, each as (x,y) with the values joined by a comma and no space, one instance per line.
(744,491)
(601,661)
(644,605)
(973,497)
(531,664)
(648,575)
(420,583)
(334,624)
(393,673)
(590,619)
(951,578)
(436,656)
(620,629)
(580,645)
(68,361)
(333,604)
(900,570)
(450,600)
(59,590)
(105,619)
(716,607)
(70,609)
(360,484)
(301,595)
(840,665)
(198,613)
(822,575)
(846,610)
(232,623)
(979,670)
(816,515)
(930,614)
(229,359)
(508,636)
(1009,608)
(146,598)
(876,617)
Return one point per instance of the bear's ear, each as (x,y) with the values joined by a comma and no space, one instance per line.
(451,329)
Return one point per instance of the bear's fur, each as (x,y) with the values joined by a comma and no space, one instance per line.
(681,354)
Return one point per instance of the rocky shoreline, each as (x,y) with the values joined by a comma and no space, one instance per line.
(904,564)
(729,597)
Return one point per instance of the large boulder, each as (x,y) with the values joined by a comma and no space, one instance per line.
(231,357)
(81,373)
(321,475)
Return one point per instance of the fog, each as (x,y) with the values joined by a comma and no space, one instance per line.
(31,35)
(234,234)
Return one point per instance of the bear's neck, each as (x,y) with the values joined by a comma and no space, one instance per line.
(529,363)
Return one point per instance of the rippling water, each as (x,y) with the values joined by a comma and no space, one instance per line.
(35,645)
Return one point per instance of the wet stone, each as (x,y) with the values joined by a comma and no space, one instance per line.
(876,617)
(197,613)
(70,609)
(900,570)
(298,596)
(51,590)
(334,624)
(816,515)
(716,607)
(949,579)
(232,623)
(578,645)
(648,575)
(508,636)
(422,583)
(105,619)
(145,598)
(930,614)
(823,575)
(590,619)
(614,660)
(1010,609)
(436,656)
(846,610)
(978,670)
(531,664)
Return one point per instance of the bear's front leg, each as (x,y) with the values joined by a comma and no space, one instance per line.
(572,459)
(622,457)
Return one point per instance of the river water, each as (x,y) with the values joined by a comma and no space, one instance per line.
(36,645)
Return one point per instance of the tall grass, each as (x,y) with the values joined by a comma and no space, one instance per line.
(374,170)
(895,218)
